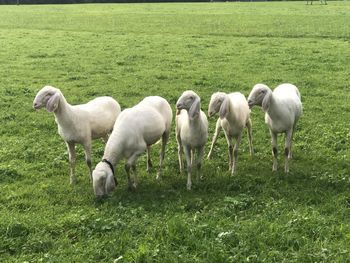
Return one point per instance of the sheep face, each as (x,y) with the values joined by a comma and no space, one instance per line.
(103,180)
(48,97)
(257,95)
(186,100)
(189,101)
(216,101)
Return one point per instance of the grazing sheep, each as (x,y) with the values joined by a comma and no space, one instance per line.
(79,123)
(234,117)
(282,109)
(135,130)
(191,132)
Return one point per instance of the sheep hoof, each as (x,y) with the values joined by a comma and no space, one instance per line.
(274,166)
(189,186)
(158,177)
(132,187)
(149,167)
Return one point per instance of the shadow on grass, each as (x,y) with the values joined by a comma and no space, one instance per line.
(9,175)
(260,185)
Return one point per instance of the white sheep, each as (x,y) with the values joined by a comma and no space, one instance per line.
(79,123)
(135,130)
(191,132)
(234,117)
(282,109)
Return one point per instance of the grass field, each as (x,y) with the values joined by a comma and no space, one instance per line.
(130,51)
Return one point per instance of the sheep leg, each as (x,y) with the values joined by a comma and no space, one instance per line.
(230,150)
(87,149)
(250,137)
(274,150)
(165,138)
(149,161)
(130,165)
(200,155)
(215,137)
(287,147)
(133,168)
(127,169)
(290,155)
(290,148)
(72,157)
(187,152)
(179,151)
(193,156)
(235,153)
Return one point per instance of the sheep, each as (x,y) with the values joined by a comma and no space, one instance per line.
(79,124)
(234,117)
(282,109)
(191,132)
(135,130)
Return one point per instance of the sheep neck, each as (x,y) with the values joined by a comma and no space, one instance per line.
(231,115)
(272,112)
(114,158)
(64,114)
(114,149)
(193,122)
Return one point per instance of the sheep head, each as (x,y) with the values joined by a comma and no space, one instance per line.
(260,95)
(103,180)
(48,97)
(189,101)
(215,103)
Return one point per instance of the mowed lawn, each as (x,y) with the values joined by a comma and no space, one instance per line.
(130,51)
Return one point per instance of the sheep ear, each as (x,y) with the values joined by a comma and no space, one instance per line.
(266,102)
(195,109)
(224,108)
(110,184)
(52,103)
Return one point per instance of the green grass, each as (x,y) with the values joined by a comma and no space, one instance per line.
(130,51)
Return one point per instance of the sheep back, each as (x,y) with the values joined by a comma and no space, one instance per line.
(102,114)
